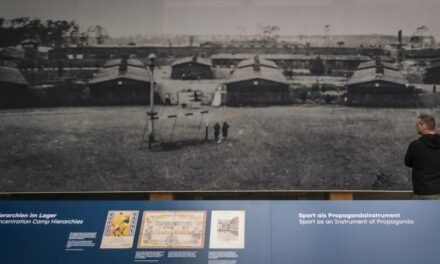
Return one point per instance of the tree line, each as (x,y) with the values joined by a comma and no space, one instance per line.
(51,33)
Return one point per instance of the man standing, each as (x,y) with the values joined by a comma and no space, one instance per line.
(167,99)
(217,132)
(423,156)
(225,128)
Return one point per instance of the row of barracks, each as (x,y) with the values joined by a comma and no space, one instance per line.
(338,61)
(206,50)
(255,81)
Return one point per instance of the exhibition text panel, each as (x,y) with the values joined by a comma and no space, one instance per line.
(220,232)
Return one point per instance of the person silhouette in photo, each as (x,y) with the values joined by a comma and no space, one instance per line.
(423,156)
(225,129)
(217,132)
(167,99)
(196,96)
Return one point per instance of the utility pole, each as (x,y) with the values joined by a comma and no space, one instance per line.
(152,114)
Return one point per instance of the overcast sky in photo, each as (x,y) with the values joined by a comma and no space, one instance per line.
(211,17)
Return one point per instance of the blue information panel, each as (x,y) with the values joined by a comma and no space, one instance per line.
(162,232)
(356,232)
(220,232)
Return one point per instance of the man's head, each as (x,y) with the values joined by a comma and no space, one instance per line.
(425,124)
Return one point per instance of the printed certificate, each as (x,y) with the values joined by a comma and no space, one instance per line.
(119,229)
(227,229)
(172,229)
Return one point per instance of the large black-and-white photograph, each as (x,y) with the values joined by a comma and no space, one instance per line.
(213,95)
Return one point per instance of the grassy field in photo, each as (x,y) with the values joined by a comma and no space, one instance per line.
(269,148)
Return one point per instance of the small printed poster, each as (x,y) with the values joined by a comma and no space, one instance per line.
(227,230)
(119,229)
(173,229)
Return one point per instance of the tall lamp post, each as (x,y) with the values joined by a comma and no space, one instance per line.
(152,114)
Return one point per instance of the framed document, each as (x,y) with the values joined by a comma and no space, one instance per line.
(227,229)
(172,229)
(119,229)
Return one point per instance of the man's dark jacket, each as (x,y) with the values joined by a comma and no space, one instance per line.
(423,156)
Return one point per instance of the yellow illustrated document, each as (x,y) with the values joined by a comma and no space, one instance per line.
(119,229)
